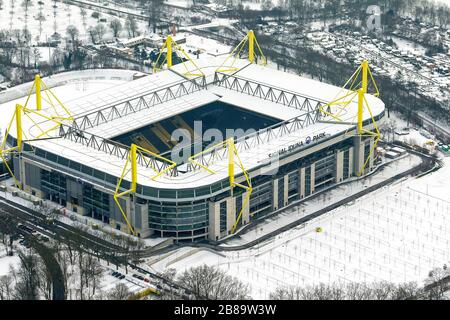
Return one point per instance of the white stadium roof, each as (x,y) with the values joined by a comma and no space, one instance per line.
(252,157)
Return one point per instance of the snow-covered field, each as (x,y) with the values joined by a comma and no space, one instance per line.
(43,26)
(7,261)
(397,234)
(205,45)
(333,195)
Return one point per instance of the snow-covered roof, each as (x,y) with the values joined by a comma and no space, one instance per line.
(252,157)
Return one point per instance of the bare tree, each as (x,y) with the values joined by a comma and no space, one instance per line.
(27,285)
(73,33)
(100,30)
(46,281)
(83,14)
(436,283)
(6,283)
(131,26)
(93,34)
(119,292)
(116,27)
(154,12)
(94,272)
(351,291)
(212,283)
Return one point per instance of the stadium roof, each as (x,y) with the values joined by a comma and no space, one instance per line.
(124,105)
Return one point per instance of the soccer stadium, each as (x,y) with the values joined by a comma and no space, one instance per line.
(197,150)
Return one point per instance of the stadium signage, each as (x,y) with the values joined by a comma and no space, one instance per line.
(308,140)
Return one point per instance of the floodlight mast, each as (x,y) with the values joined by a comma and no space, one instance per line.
(348,95)
(253,49)
(25,110)
(233,159)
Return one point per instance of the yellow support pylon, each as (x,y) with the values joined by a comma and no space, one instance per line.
(232,157)
(37,83)
(25,110)
(170,46)
(4,152)
(52,100)
(19,137)
(348,95)
(131,165)
(253,44)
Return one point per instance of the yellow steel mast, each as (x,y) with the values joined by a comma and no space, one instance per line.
(233,158)
(253,44)
(347,96)
(131,165)
(170,46)
(24,110)
(37,83)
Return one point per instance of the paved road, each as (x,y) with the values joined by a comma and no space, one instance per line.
(47,255)
(87,242)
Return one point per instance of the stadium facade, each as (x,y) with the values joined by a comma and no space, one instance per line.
(293,151)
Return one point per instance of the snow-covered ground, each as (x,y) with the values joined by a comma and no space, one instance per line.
(205,45)
(7,261)
(331,196)
(397,234)
(57,19)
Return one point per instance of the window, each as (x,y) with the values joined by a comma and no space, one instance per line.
(54,186)
(307,181)
(223,216)
(346,164)
(238,205)
(95,202)
(171,194)
(293,186)
(280,192)
(325,172)
(174,216)
(261,198)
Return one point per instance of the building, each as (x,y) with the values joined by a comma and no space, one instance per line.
(288,147)
(150,41)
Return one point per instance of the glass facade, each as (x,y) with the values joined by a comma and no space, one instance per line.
(325,172)
(96,203)
(293,186)
(346,164)
(307,181)
(281,192)
(262,197)
(238,205)
(367,149)
(223,216)
(54,186)
(182,219)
